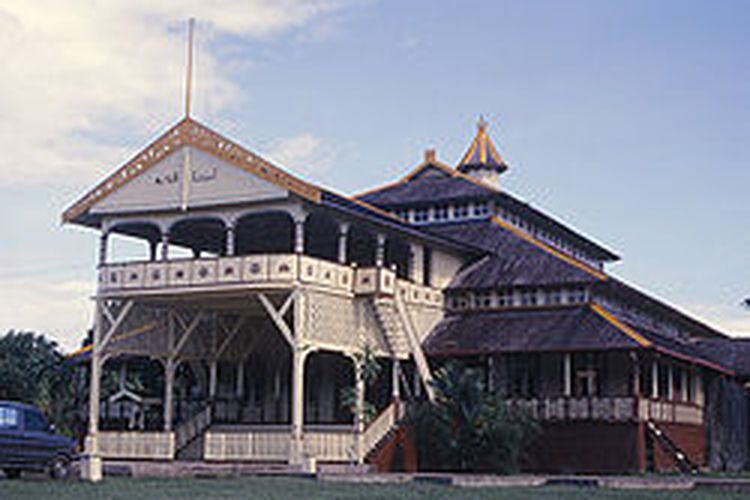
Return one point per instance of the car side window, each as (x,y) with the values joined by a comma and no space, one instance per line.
(8,418)
(35,422)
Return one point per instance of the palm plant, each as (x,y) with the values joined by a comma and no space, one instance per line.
(467,428)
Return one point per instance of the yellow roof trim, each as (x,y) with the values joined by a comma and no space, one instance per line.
(188,132)
(547,248)
(637,337)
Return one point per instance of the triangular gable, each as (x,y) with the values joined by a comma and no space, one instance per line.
(201,139)
(210,181)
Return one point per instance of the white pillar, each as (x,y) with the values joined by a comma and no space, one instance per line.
(165,246)
(380,249)
(359,412)
(230,250)
(169,370)
(417,382)
(670,383)
(343,237)
(655,379)
(567,375)
(416,270)
(396,380)
(212,378)
(299,235)
(700,395)
(298,402)
(684,384)
(91,469)
(240,380)
(103,247)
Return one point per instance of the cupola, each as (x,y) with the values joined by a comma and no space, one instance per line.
(482,161)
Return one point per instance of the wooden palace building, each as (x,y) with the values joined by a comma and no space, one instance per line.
(260,294)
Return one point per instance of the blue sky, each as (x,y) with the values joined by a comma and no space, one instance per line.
(628,121)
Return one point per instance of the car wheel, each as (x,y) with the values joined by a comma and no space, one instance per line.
(12,473)
(59,468)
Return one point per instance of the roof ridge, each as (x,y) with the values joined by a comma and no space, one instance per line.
(549,249)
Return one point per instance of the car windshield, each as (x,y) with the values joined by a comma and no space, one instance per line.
(35,421)
(8,417)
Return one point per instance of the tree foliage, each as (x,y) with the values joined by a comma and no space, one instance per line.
(33,371)
(467,428)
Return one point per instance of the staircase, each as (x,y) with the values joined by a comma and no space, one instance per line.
(189,435)
(684,463)
(401,335)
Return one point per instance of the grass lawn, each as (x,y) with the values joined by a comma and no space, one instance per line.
(308,489)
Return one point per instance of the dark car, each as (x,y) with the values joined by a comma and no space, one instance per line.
(28,442)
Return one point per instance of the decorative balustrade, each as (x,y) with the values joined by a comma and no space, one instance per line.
(333,444)
(226,271)
(609,409)
(267,443)
(136,445)
(264,270)
(669,411)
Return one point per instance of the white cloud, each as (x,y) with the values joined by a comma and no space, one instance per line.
(61,310)
(305,154)
(732,319)
(77,76)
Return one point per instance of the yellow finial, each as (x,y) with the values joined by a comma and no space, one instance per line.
(481,124)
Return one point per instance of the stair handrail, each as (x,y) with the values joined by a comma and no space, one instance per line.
(416,347)
(188,430)
(679,456)
(383,423)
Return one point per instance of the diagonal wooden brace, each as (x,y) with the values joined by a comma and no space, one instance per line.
(277,318)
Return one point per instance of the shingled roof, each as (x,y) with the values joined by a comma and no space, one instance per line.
(731,352)
(567,328)
(562,328)
(427,189)
(513,260)
(433,182)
